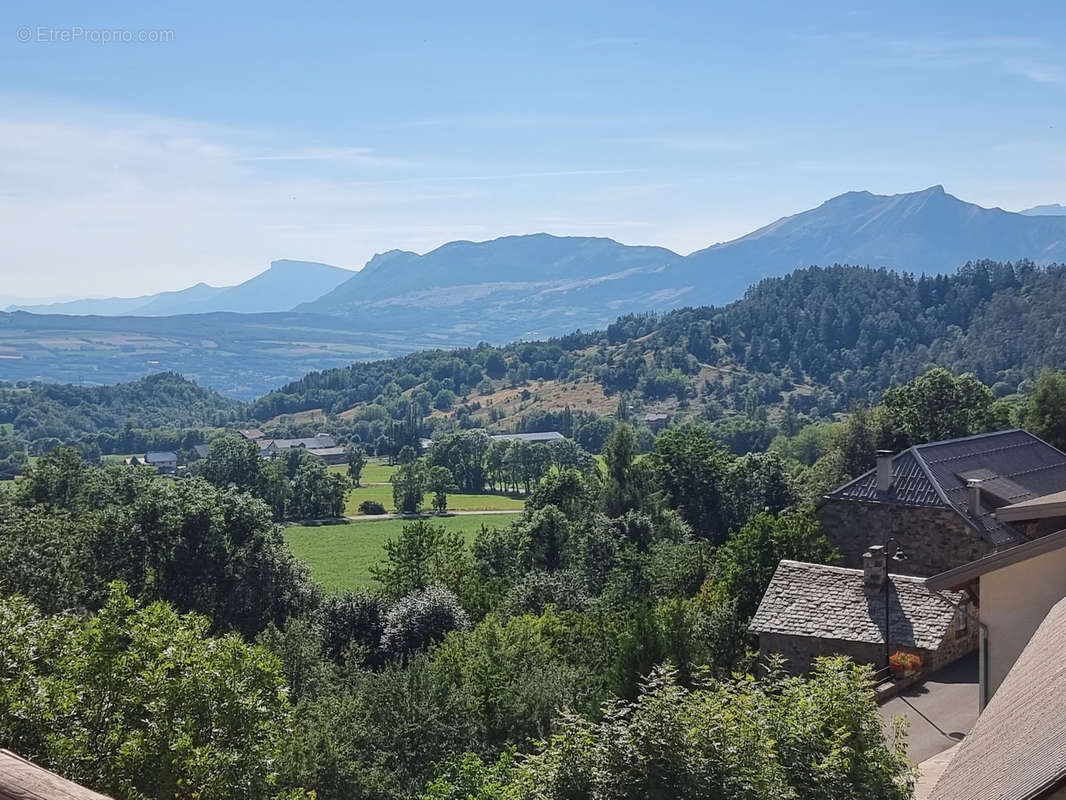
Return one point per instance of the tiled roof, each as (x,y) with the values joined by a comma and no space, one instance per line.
(825,602)
(158,456)
(547,436)
(1012,465)
(311,442)
(327,451)
(1017,749)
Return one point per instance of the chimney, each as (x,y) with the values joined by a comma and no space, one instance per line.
(884,470)
(874,569)
(973,502)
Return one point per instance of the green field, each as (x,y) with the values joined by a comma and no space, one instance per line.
(340,556)
(118,458)
(456,502)
(376,470)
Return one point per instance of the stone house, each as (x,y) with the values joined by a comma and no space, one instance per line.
(655,421)
(938,500)
(812,610)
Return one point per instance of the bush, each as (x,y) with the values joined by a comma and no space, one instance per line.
(421,618)
(371,507)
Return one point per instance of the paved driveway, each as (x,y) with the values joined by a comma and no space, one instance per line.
(940,711)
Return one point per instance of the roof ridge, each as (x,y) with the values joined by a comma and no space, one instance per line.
(914,454)
(1001,449)
(971,436)
(847,570)
(919,457)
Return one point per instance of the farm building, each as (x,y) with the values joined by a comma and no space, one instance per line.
(322,445)
(165,462)
(319,441)
(546,436)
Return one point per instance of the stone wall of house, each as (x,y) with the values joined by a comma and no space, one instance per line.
(933,539)
(955,645)
(800,652)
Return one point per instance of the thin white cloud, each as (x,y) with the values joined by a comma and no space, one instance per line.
(1034,71)
(1021,56)
(93,202)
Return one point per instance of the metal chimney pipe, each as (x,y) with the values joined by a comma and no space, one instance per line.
(973,501)
(884,470)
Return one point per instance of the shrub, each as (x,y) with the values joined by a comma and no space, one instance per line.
(421,618)
(371,507)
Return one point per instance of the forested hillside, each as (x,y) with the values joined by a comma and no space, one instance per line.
(817,340)
(810,345)
(157,410)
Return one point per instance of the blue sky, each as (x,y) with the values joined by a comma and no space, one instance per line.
(333,131)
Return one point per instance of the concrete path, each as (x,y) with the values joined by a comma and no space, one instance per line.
(373,517)
(940,711)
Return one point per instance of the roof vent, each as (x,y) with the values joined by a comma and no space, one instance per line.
(884,470)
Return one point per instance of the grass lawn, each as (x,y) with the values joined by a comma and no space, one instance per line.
(340,556)
(118,458)
(456,502)
(375,470)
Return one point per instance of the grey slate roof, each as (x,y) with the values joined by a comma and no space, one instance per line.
(1013,466)
(327,451)
(159,457)
(547,436)
(825,602)
(1017,749)
(311,442)
(201,450)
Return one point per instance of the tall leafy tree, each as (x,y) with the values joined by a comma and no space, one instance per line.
(746,562)
(161,710)
(1045,412)
(409,487)
(939,405)
(693,472)
(232,461)
(356,460)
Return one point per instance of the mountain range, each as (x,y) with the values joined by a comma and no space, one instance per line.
(274,289)
(300,316)
(1049,210)
(516,285)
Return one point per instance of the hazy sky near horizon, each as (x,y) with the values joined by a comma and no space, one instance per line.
(330,131)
